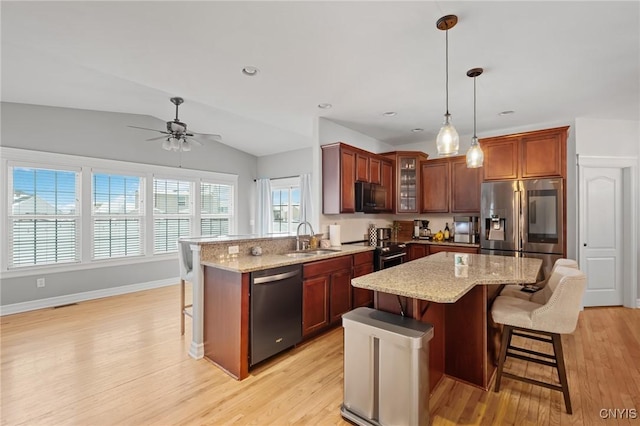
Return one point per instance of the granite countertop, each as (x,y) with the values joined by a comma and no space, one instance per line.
(435,278)
(244,263)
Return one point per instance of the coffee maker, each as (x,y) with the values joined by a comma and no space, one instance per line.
(421,229)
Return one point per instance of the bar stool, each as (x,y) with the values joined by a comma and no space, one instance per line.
(185,257)
(528,319)
(541,296)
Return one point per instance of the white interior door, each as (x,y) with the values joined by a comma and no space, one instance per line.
(600,219)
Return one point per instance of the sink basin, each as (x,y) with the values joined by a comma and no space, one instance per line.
(300,254)
(309,253)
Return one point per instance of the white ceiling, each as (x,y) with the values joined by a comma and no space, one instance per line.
(547,61)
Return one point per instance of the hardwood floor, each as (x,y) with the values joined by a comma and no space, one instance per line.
(122,361)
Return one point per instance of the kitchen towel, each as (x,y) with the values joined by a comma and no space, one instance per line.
(334,235)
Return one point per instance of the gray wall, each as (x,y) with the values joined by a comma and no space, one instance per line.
(291,163)
(106,135)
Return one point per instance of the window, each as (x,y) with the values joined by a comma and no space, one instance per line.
(63,212)
(216,208)
(44,216)
(171,213)
(117,215)
(285,202)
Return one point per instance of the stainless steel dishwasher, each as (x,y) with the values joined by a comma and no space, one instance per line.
(276,311)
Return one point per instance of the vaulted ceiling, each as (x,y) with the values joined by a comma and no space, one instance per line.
(547,61)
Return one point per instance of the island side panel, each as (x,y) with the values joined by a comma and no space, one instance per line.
(429,312)
(466,338)
(226,320)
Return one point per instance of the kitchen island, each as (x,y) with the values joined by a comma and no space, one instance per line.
(456,299)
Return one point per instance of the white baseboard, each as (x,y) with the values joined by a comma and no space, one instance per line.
(50,302)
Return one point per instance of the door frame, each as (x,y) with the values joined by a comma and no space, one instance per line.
(629,169)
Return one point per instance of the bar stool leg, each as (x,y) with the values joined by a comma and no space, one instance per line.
(507,331)
(182,288)
(562,372)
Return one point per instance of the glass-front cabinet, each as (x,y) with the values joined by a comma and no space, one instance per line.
(407,180)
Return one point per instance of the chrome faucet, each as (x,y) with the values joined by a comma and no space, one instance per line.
(298,234)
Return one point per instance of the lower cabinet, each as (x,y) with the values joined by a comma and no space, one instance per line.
(326,293)
(362,265)
(416,251)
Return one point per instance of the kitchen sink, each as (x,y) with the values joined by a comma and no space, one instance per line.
(309,253)
(300,254)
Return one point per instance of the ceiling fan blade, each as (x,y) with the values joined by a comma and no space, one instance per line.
(153,130)
(205,136)
(194,141)
(155,139)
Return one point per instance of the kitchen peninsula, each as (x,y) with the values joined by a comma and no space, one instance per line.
(456,299)
(221,289)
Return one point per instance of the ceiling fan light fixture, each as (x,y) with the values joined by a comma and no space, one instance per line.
(475,156)
(166,145)
(185,146)
(448,141)
(175,144)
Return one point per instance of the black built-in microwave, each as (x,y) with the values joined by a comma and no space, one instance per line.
(371,198)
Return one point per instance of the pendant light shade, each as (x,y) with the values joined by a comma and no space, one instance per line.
(448,141)
(475,156)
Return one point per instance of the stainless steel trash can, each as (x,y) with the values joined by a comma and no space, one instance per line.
(386,368)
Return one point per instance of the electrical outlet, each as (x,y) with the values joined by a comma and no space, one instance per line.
(40,282)
(234,249)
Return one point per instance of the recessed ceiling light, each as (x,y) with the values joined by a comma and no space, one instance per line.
(390,113)
(417,130)
(506,112)
(250,71)
(324,106)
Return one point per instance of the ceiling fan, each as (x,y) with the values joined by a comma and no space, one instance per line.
(177,137)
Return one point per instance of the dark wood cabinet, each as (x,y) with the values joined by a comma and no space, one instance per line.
(375,171)
(448,186)
(407,179)
(386,180)
(465,186)
(326,293)
(435,183)
(339,294)
(342,166)
(541,153)
(315,303)
(362,167)
(416,251)
(362,265)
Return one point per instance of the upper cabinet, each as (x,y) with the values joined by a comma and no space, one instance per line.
(342,166)
(541,153)
(449,186)
(407,187)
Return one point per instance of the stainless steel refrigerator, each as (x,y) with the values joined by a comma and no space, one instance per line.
(524,218)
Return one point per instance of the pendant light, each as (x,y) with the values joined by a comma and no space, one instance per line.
(448,140)
(475,156)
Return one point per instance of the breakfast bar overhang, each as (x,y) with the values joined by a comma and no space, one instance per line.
(454,293)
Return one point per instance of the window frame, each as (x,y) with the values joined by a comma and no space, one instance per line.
(76,217)
(279,185)
(141,216)
(229,216)
(86,165)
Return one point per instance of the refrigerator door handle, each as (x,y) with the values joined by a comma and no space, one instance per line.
(519,219)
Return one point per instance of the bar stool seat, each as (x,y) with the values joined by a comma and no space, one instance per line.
(542,295)
(542,322)
(185,257)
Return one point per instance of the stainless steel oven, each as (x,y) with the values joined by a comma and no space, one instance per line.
(389,254)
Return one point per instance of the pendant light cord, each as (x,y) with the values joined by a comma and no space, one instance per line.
(446,34)
(474,107)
